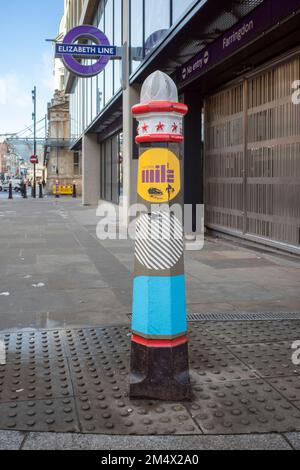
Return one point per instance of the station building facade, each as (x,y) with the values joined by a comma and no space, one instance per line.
(237,67)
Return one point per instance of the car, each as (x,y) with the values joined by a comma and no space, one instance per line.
(16,184)
(155,192)
(4,185)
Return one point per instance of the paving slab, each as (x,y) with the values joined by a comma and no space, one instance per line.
(77,380)
(294,440)
(58,415)
(268,359)
(10,440)
(37,441)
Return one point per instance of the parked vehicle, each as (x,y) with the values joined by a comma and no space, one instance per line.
(16,185)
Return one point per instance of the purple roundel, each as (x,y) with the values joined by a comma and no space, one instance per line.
(97,36)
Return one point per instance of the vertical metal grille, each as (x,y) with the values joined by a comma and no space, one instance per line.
(224,158)
(252,160)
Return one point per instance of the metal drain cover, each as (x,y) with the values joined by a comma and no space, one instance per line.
(243,316)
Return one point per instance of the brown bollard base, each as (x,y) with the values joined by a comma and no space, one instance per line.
(160,373)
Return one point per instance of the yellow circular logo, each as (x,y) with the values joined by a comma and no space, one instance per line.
(158,176)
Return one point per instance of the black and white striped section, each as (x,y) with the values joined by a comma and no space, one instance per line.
(159,241)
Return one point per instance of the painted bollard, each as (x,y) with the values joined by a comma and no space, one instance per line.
(40,191)
(74,193)
(10,191)
(159,351)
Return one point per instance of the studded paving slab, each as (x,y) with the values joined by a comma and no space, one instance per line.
(76,381)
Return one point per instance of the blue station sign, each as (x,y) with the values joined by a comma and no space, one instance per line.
(72,49)
(84,51)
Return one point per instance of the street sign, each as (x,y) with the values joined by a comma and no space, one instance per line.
(84,51)
(34,160)
(69,50)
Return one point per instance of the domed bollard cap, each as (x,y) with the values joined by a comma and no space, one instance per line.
(159,113)
(159,87)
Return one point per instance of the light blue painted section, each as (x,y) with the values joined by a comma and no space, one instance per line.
(159,306)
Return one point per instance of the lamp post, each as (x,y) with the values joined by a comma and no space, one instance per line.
(159,353)
(34,140)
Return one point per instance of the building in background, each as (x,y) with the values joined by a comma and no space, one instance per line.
(10,161)
(62,164)
(234,63)
(3,159)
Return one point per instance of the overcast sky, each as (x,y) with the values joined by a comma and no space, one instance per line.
(26,59)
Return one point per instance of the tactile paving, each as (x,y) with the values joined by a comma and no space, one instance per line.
(40,415)
(77,381)
(35,380)
(101,386)
(268,359)
(98,375)
(134,418)
(32,345)
(289,387)
(246,332)
(243,407)
(84,342)
(215,363)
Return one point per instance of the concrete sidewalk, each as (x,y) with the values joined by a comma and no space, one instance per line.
(57,273)
(65,303)
(10,440)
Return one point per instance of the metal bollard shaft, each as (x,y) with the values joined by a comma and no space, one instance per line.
(57,195)
(74,195)
(159,348)
(10,191)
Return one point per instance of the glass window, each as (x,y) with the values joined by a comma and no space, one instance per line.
(100,15)
(102,170)
(115,169)
(117,42)
(109,27)
(109,80)
(77,164)
(100,96)
(111,168)
(81,98)
(109,31)
(108,186)
(120,166)
(179,7)
(136,30)
(79,108)
(94,96)
(157,22)
(88,101)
